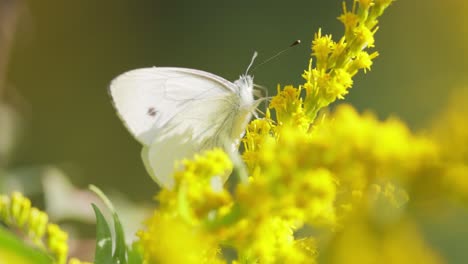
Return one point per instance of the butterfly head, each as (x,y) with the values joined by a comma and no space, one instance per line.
(245,88)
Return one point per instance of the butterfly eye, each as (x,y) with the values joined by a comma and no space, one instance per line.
(152,112)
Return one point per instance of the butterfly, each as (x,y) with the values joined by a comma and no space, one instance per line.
(177,112)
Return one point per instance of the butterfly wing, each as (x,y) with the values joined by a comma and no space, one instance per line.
(148,99)
(175,112)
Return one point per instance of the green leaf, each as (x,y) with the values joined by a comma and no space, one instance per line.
(103,253)
(15,251)
(120,254)
(135,254)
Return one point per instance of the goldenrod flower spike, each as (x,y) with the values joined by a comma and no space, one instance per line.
(337,62)
(37,225)
(169,239)
(199,189)
(297,167)
(57,242)
(16,212)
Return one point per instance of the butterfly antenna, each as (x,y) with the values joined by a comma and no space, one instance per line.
(251,62)
(297,42)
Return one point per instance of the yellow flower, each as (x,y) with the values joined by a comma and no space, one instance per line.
(289,109)
(349,19)
(168,239)
(256,133)
(450,131)
(336,63)
(322,47)
(199,190)
(362,61)
(285,181)
(57,242)
(274,242)
(360,151)
(303,171)
(361,242)
(363,37)
(37,224)
(16,211)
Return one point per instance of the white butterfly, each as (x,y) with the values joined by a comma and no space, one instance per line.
(176,112)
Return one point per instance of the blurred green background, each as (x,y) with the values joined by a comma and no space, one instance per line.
(65,53)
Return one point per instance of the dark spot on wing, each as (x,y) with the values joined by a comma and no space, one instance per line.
(152,112)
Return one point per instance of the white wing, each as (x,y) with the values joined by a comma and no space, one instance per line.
(147,99)
(175,112)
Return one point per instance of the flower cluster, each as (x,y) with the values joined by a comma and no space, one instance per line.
(197,200)
(449,131)
(337,62)
(16,211)
(308,170)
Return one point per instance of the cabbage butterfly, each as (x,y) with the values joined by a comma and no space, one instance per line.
(176,112)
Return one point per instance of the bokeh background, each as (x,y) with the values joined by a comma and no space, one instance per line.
(62,56)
